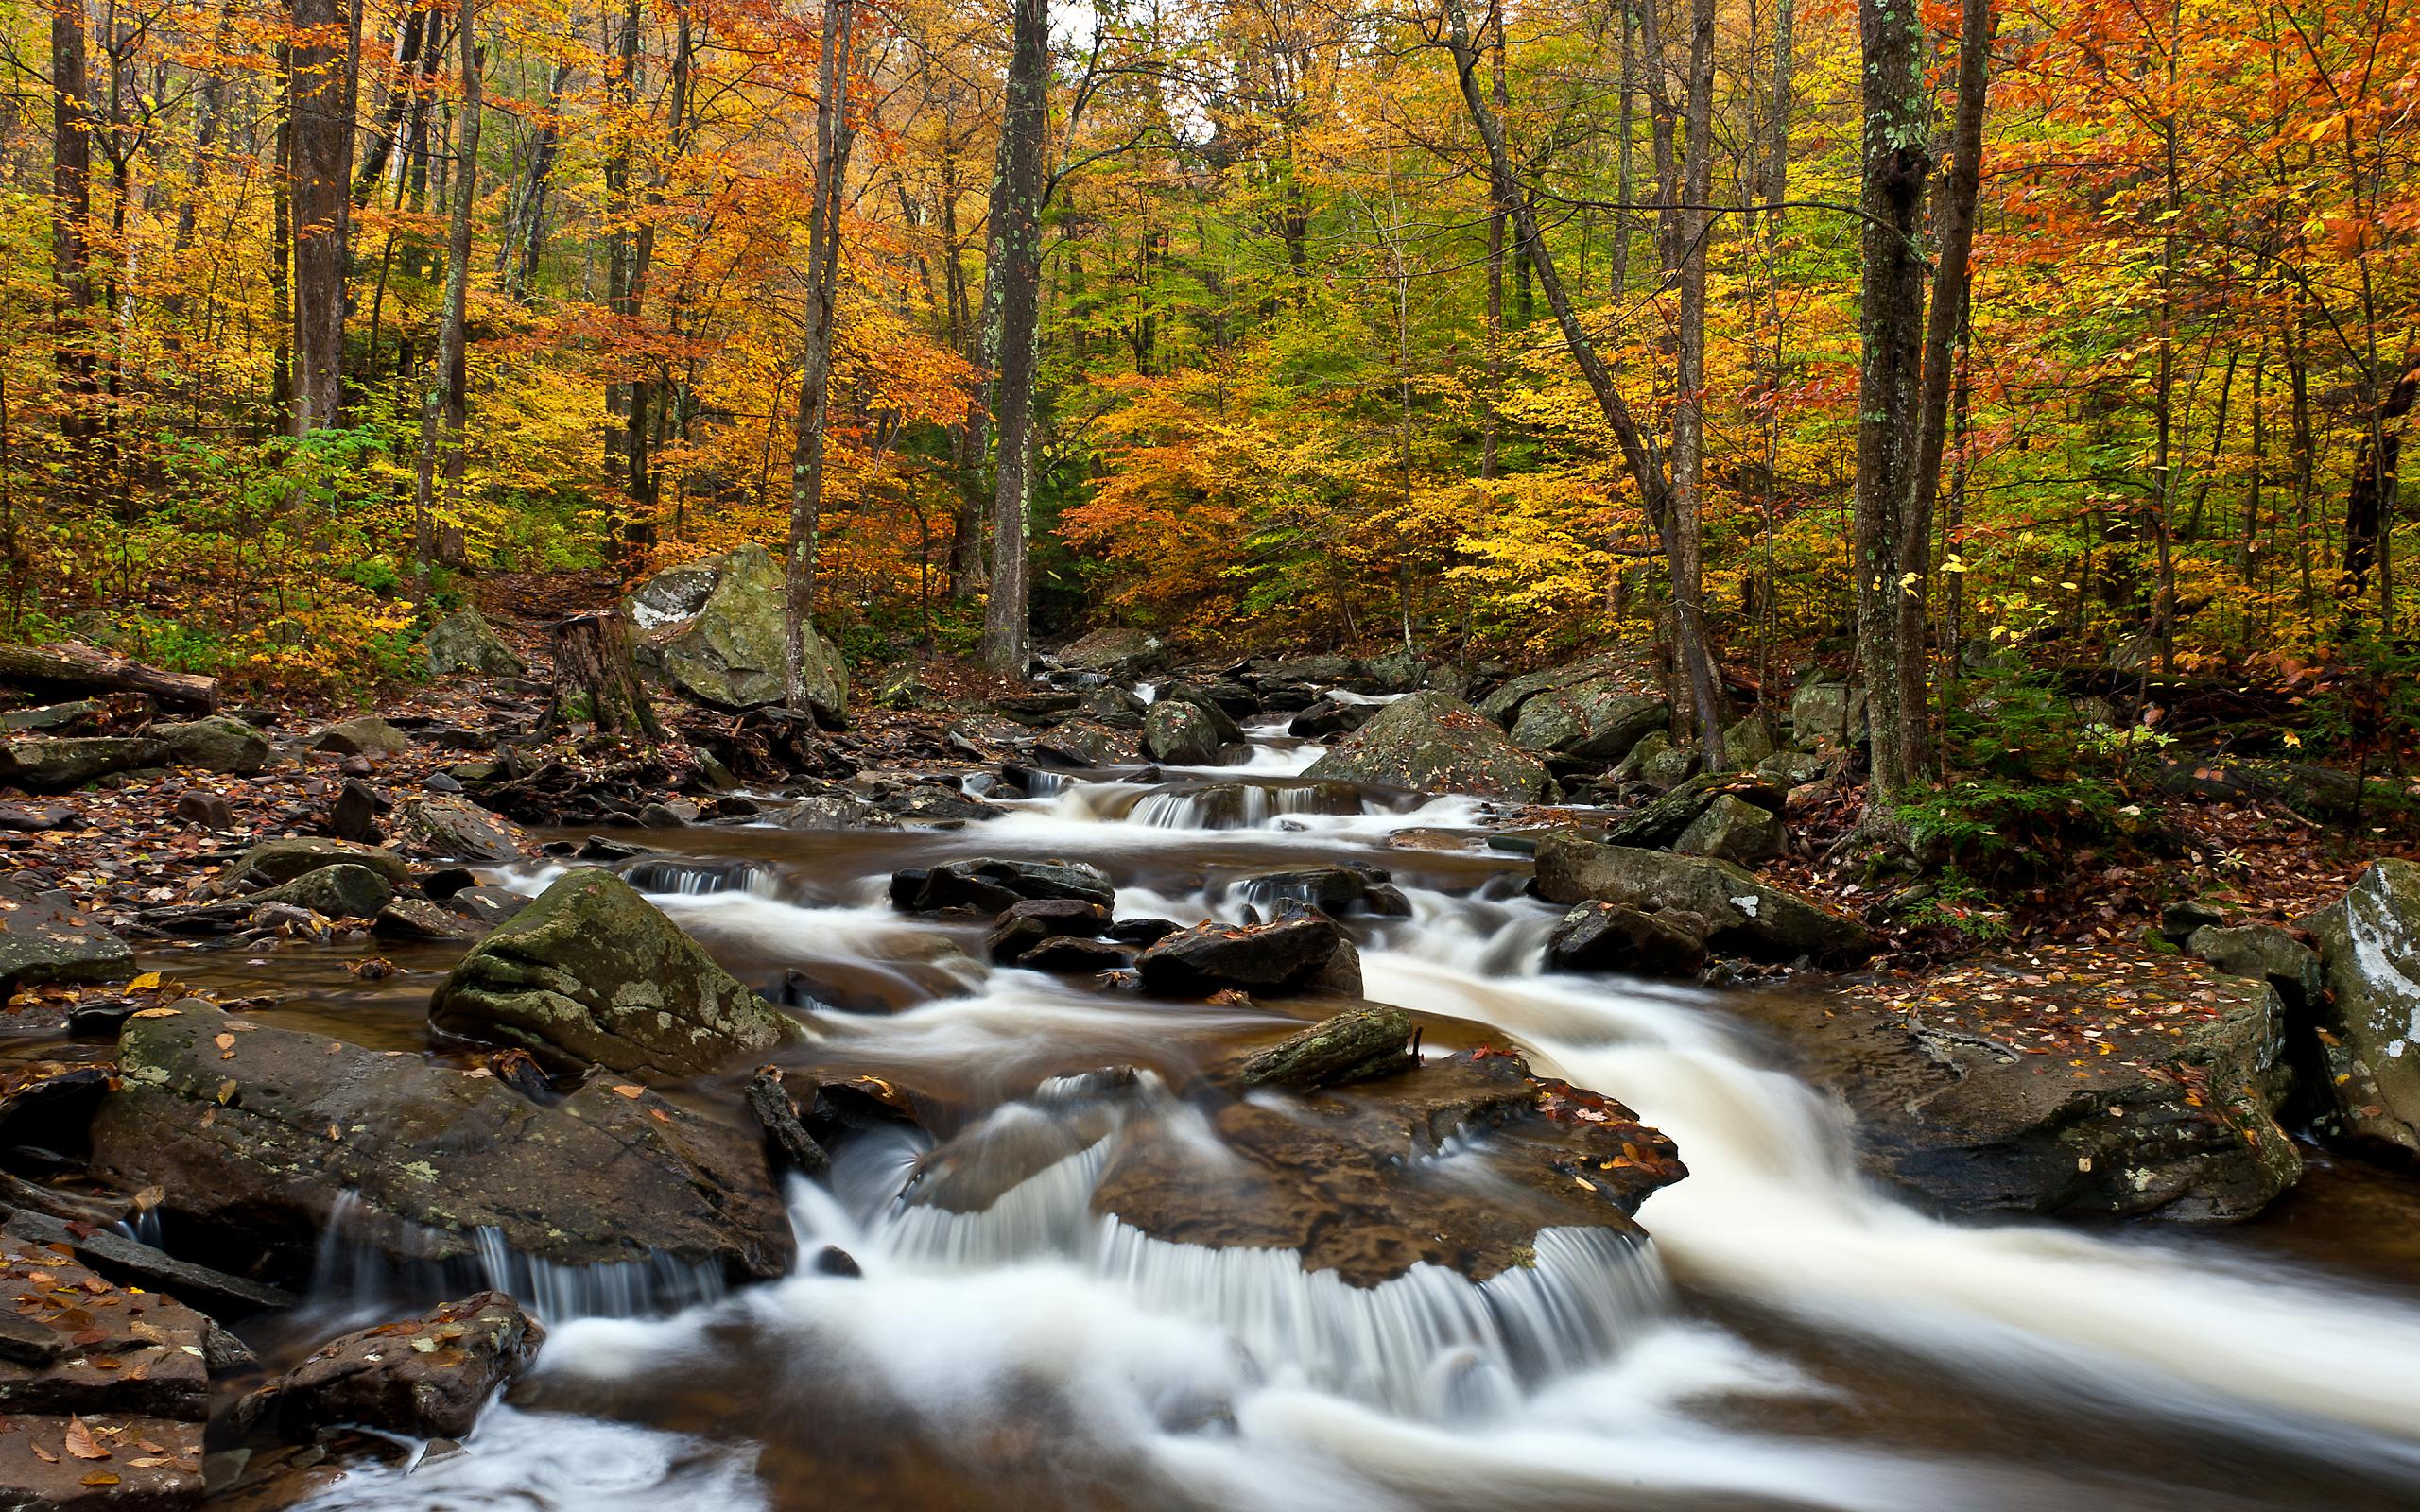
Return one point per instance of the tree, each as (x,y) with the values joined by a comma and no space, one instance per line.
(1014,264)
(448,384)
(833,138)
(320,106)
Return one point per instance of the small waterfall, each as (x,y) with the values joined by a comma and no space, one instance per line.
(696,877)
(1243,805)
(141,1226)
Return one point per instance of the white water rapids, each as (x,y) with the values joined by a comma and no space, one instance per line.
(1795,1338)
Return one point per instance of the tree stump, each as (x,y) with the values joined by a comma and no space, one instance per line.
(596,682)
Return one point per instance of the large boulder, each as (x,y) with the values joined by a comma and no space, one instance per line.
(1594,721)
(2369,1032)
(1433,742)
(45,937)
(2062,1081)
(593,974)
(421,1378)
(991,885)
(2270,953)
(1115,653)
(456,830)
(364,735)
(273,862)
(1181,734)
(1828,718)
(52,763)
(1601,936)
(216,743)
(1661,823)
(1744,915)
(257,1134)
(1732,829)
(732,651)
(1303,952)
(464,642)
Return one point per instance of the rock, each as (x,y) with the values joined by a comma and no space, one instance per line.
(1120,654)
(1141,931)
(273,862)
(367,735)
(1029,922)
(1980,1093)
(1181,734)
(1662,823)
(46,938)
(1329,717)
(464,642)
(342,891)
(674,594)
(421,1378)
(2369,1032)
(488,907)
(1371,1040)
(131,1262)
(51,763)
(1658,762)
(1433,742)
(1113,706)
(1039,709)
(1744,916)
(1601,936)
(216,743)
(1088,743)
(457,829)
(354,816)
(2268,954)
(1072,955)
(2179,919)
(1346,1176)
(1590,722)
(787,1138)
(990,885)
(731,652)
(593,974)
(1282,957)
(1789,769)
(442,883)
(419,918)
(1731,828)
(36,818)
(1829,717)
(1224,702)
(255,1134)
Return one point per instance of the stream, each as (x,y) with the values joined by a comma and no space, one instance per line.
(1792,1337)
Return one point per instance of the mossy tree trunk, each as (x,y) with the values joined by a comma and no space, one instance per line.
(595,681)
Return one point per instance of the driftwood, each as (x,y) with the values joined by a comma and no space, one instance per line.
(72,667)
(788,1140)
(1357,1044)
(596,682)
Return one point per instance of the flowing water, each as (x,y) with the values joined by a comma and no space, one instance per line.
(1792,1337)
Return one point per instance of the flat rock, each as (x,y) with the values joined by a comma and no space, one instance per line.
(422,1378)
(1744,915)
(1433,742)
(46,763)
(456,829)
(46,938)
(364,735)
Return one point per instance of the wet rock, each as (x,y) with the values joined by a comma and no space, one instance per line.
(275,862)
(1181,734)
(366,735)
(1744,915)
(340,891)
(1431,742)
(1601,936)
(1141,931)
(1371,1040)
(45,763)
(255,1133)
(45,937)
(444,881)
(1088,743)
(593,974)
(1981,1091)
(2267,953)
(1347,1175)
(932,803)
(131,1262)
(215,743)
(990,885)
(1072,955)
(32,819)
(836,811)
(787,1138)
(1732,829)
(458,829)
(420,919)
(464,642)
(1121,654)
(1284,956)
(1329,717)
(731,652)
(1029,922)
(421,1378)
(1661,823)
(2369,1030)
(1225,702)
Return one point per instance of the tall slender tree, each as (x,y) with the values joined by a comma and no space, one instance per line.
(1015,266)
(833,138)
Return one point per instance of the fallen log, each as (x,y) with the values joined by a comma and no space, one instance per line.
(73,667)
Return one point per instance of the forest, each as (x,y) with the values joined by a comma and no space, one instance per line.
(1165,755)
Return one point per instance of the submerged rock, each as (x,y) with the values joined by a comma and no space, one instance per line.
(593,974)
(1433,742)
(2069,1082)
(255,1134)
(422,1378)
(2369,1033)
(1744,915)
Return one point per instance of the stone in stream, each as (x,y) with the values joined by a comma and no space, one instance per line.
(1116,654)
(1224,702)
(464,642)
(1732,829)
(1030,921)
(1181,734)
(1601,936)
(421,1378)
(216,743)
(1433,742)
(2369,1029)
(273,862)
(488,907)
(344,890)
(2062,1081)
(1072,955)
(990,884)
(1330,716)
(1744,915)
(1290,955)
(1088,743)
(44,937)
(458,829)
(367,735)
(1373,1039)
(593,974)
(255,1134)
(422,919)
(43,763)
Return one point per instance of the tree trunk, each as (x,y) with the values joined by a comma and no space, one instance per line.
(68,667)
(449,383)
(520,262)
(1688,406)
(2374,480)
(595,681)
(1008,629)
(833,136)
(71,191)
(319,105)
